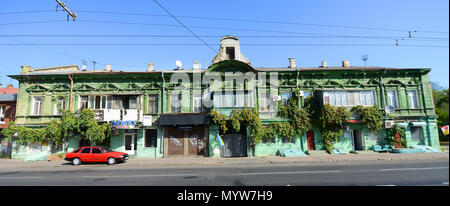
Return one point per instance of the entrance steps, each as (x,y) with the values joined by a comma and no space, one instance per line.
(318,152)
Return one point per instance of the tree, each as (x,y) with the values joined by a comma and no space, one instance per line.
(441,104)
(58,131)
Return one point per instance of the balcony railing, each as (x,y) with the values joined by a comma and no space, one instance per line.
(117,114)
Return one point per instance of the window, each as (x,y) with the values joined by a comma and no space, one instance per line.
(375,136)
(413,100)
(175,103)
(150,137)
(77,150)
(349,98)
(2,114)
(287,140)
(416,134)
(392,98)
(96,151)
(197,101)
(285,97)
(248,99)
(37,105)
(84,102)
(264,101)
(86,150)
(132,102)
(152,104)
(60,104)
(230,53)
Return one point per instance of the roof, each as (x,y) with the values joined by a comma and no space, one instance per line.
(9,90)
(263,69)
(73,69)
(8,97)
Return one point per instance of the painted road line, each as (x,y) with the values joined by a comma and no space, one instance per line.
(21,177)
(386,185)
(284,173)
(420,168)
(120,176)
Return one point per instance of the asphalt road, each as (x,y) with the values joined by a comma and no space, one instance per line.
(398,173)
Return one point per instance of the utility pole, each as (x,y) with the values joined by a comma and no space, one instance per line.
(71,13)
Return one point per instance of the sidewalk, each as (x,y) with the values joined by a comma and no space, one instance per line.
(15,164)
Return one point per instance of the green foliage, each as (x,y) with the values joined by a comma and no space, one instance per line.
(300,120)
(219,119)
(369,116)
(329,121)
(57,132)
(441,105)
(393,132)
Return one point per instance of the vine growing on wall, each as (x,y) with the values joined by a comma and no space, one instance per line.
(397,135)
(369,116)
(58,131)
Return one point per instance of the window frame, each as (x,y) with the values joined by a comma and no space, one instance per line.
(416,99)
(33,109)
(178,108)
(395,98)
(155,102)
(2,114)
(197,98)
(149,143)
(420,133)
(56,108)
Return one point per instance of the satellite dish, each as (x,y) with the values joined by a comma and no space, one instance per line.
(83,67)
(389,109)
(178,63)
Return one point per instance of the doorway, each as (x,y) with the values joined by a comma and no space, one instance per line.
(310,140)
(358,140)
(130,143)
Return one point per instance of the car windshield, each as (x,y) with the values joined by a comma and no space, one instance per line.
(105,149)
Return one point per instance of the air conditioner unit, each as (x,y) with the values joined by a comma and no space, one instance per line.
(388,124)
(276,98)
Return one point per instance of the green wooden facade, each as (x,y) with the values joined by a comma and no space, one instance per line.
(417,117)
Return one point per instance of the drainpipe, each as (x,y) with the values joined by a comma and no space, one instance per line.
(71,92)
(162,111)
(382,90)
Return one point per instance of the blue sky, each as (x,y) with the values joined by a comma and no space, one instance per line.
(425,17)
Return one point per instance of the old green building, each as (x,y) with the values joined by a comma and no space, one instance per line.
(152,118)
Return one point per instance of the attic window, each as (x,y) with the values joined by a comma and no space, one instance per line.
(230,52)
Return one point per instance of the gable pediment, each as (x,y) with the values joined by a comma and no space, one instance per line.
(37,88)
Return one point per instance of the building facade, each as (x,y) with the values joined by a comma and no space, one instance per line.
(8,98)
(152,118)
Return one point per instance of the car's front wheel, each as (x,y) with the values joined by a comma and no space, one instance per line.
(111,160)
(76,161)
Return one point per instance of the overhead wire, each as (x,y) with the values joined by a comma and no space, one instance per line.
(243,20)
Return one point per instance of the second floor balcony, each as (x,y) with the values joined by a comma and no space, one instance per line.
(113,107)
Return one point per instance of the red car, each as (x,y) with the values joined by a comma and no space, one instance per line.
(95,154)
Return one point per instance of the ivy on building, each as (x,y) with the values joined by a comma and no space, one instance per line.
(57,132)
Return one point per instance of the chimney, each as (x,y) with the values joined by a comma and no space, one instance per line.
(345,63)
(292,63)
(9,86)
(108,68)
(150,67)
(196,65)
(324,64)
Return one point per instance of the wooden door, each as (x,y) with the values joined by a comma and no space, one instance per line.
(196,141)
(175,142)
(310,140)
(397,139)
